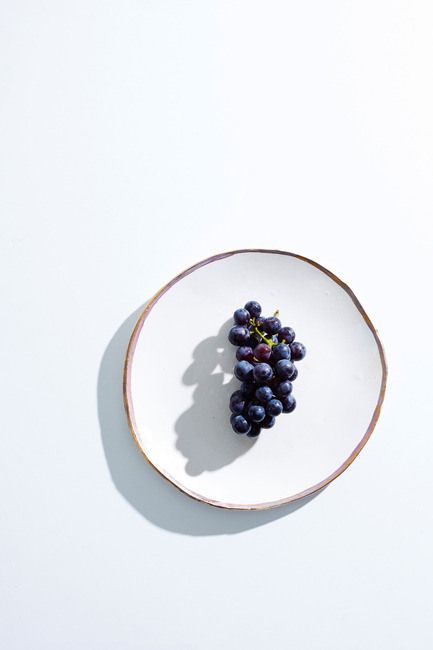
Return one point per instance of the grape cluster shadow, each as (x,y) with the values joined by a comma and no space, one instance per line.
(205,436)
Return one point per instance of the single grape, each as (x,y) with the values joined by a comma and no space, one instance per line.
(241,316)
(239,335)
(256,412)
(264,394)
(287,335)
(259,321)
(289,403)
(274,407)
(272,325)
(253,308)
(248,388)
(295,373)
(280,351)
(283,388)
(262,352)
(284,369)
(237,402)
(268,422)
(298,350)
(243,370)
(254,431)
(244,353)
(240,424)
(262,372)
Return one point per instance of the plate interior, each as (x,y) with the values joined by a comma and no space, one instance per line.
(179,380)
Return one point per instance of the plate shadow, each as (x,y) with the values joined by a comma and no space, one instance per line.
(153,497)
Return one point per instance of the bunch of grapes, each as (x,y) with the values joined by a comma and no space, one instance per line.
(265,354)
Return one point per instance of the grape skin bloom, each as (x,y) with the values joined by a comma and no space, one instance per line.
(239,335)
(274,407)
(240,424)
(298,350)
(254,308)
(272,325)
(262,372)
(243,370)
(281,351)
(286,335)
(265,354)
(264,394)
(241,317)
(262,352)
(244,353)
(284,369)
(237,402)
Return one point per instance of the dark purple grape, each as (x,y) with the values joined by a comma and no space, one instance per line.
(289,403)
(253,308)
(273,383)
(284,369)
(295,373)
(280,351)
(298,351)
(262,372)
(240,424)
(248,402)
(272,325)
(244,353)
(259,321)
(262,352)
(283,388)
(264,394)
(256,413)
(243,370)
(254,431)
(254,341)
(274,407)
(241,316)
(239,335)
(248,388)
(268,422)
(286,334)
(237,402)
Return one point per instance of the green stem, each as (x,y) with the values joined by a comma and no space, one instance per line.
(256,330)
(262,336)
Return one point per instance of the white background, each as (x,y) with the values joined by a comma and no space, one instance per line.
(136,139)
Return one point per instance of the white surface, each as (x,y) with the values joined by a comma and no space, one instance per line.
(137,138)
(184,429)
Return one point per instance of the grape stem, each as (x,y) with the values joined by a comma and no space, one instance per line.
(259,333)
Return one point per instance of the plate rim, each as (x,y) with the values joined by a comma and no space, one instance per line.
(127,396)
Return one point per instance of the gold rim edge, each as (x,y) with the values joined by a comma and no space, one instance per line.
(300,495)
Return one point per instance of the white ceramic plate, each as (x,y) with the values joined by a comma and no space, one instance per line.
(178,379)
